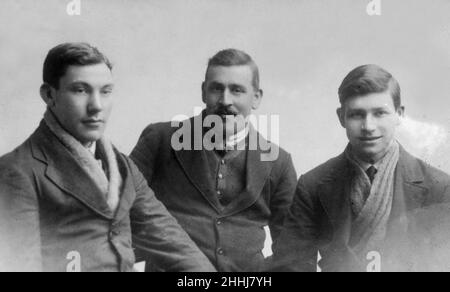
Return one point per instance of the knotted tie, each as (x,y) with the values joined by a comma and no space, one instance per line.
(371,172)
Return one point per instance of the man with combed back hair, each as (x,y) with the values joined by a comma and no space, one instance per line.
(354,208)
(69,201)
(224,193)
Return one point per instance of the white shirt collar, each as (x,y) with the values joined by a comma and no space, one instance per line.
(238,138)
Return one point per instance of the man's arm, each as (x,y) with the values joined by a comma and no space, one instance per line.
(296,249)
(281,198)
(158,237)
(20,242)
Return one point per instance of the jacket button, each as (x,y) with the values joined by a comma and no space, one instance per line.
(219,222)
(220,251)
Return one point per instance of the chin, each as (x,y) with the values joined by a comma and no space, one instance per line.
(93,137)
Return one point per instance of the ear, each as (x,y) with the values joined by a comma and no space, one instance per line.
(48,95)
(341,116)
(204,92)
(257,99)
(401,113)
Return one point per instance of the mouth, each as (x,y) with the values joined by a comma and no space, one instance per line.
(369,139)
(93,122)
(225,115)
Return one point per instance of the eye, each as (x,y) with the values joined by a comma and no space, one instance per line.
(355,115)
(381,113)
(216,88)
(106,92)
(79,90)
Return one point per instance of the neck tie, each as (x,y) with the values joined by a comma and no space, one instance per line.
(371,172)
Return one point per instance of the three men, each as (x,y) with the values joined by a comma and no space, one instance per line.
(222,192)
(68,199)
(354,208)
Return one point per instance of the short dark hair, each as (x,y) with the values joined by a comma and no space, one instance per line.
(234,57)
(69,54)
(368,79)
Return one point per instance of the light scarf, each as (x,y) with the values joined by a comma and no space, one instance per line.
(110,183)
(372,214)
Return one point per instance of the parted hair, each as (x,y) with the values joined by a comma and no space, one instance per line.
(234,57)
(369,79)
(69,54)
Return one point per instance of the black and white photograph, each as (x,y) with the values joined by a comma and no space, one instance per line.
(225,136)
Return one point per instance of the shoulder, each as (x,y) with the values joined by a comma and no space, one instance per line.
(18,159)
(322,173)
(431,175)
(418,172)
(158,130)
(272,152)
(17,171)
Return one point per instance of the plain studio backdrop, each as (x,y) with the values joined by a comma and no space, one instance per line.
(304,49)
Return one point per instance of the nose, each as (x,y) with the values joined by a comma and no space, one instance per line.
(227,98)
(369,124)
(95,103)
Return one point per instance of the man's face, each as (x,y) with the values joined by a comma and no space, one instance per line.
(229,91)
(370,121)
(83,102)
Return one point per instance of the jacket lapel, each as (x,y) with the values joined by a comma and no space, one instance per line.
(195,165)
(65,172)
(128,190)
(409,191)
(333,194)
(257,173)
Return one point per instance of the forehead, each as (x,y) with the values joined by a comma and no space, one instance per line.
(370,101)
(96,75)
(230,75)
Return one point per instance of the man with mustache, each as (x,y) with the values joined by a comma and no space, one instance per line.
(225,192)
(353,209)
(69,201)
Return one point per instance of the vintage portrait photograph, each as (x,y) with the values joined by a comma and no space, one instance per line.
(225,136)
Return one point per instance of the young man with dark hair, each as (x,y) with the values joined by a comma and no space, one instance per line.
(353,209)
(224,196)
(69,201)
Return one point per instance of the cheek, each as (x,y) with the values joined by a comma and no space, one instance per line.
(244,104)
(353,128)
(211,100)
(388,127)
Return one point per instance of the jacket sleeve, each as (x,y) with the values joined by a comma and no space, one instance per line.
(145,152)
(281,198)
(20,242)
(296,249)
(157,236)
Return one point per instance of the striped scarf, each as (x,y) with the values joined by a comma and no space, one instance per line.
(372,214)
(110,183)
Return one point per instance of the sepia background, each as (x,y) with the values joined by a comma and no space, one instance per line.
(304,49)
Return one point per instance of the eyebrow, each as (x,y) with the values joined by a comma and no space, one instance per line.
(370,109)
(215,83)
(82,83)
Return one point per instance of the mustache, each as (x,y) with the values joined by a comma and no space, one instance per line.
(225,111)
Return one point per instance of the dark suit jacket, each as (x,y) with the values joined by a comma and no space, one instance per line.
(50,207)
(320,217)
(231,237)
